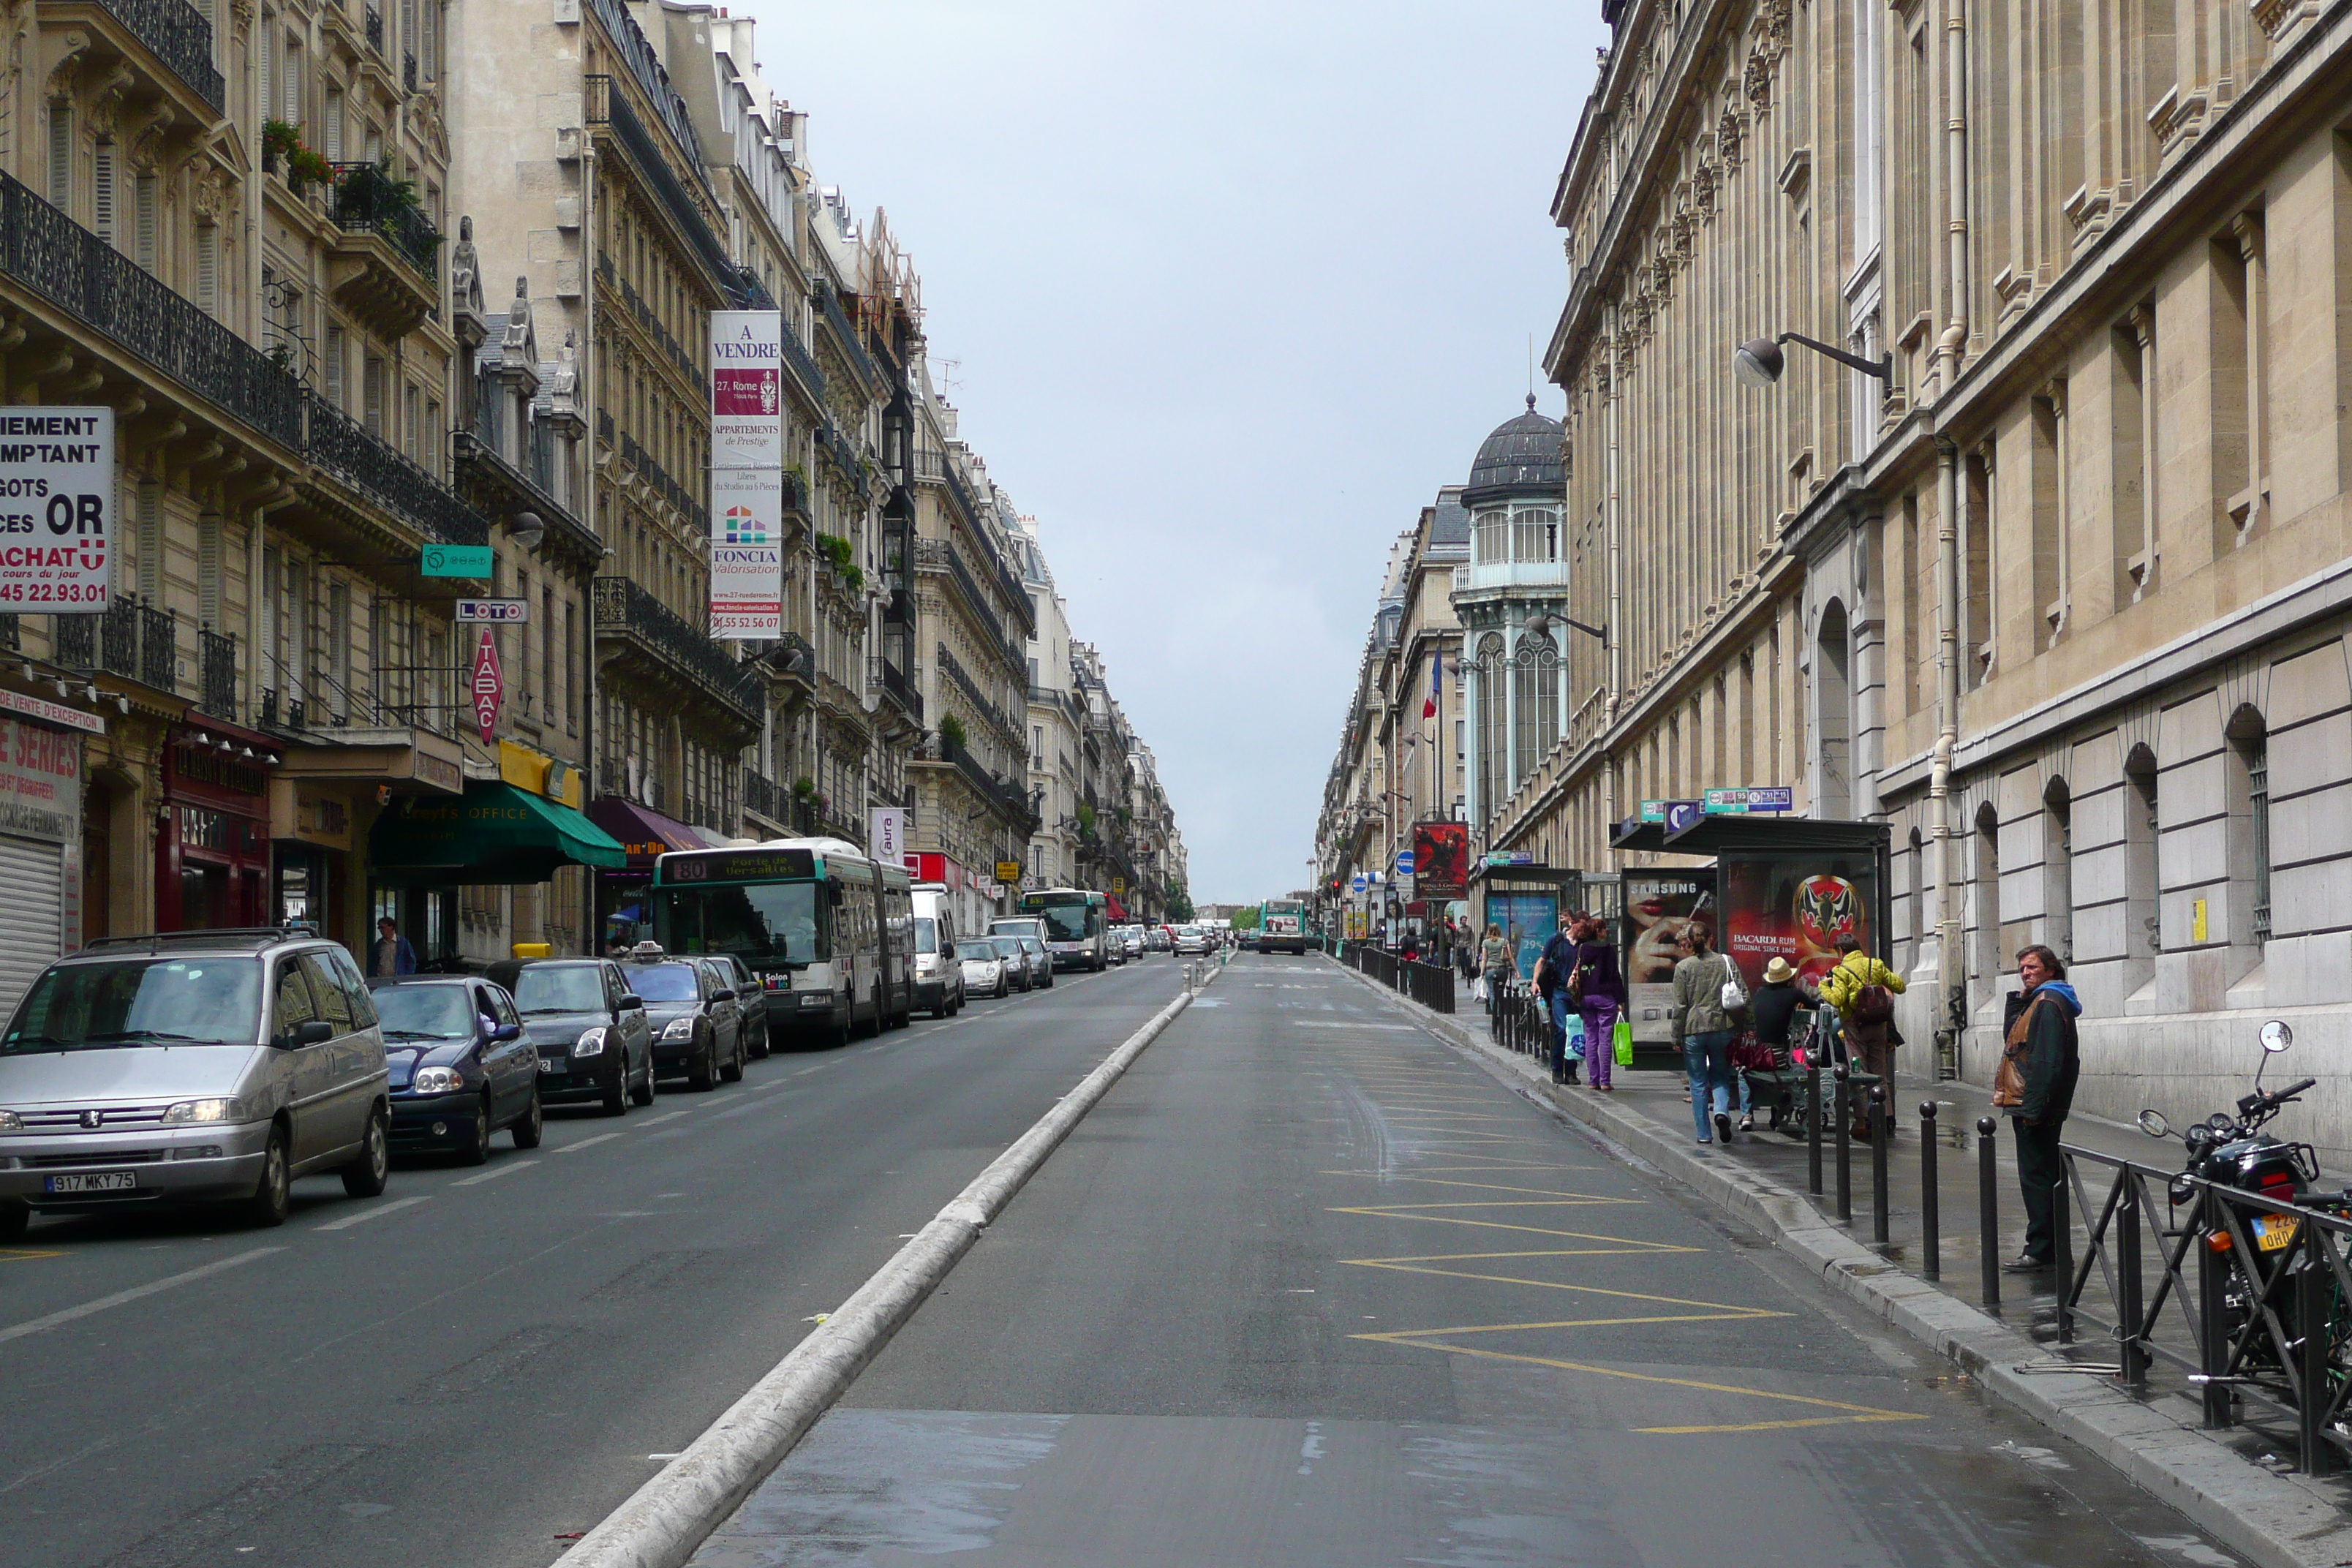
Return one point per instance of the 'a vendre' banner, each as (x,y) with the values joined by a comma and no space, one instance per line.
(747,389)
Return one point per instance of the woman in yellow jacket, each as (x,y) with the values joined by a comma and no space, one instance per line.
(1873,1041)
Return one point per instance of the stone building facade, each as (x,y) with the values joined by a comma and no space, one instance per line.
(2055,586)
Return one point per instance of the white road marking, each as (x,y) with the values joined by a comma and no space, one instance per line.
(658,1121)
(70,1314)
(1351,1024)
(505,1170)
(378,1212)
(588,1143)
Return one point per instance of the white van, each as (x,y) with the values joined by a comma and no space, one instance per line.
(939,977)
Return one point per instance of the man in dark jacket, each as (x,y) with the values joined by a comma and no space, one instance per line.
(1552,972)
(2038,1032)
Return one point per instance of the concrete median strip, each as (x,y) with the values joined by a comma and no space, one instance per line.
(667,1518)
(2268,1518)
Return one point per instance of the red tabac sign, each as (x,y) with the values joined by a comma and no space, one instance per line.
(489,687)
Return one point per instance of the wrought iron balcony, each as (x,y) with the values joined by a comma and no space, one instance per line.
(409,70)
(368,200)
(846,332)
(218,657)
(1008,797)
(128,638)
(608,107)
(790,655)
(110,293)
(901,690)
(376,29)
(626,607)
(176,34)
(340,444)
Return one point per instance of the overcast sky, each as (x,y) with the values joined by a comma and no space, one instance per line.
(1232,289)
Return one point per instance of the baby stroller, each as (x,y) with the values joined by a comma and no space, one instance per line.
(1813,1032)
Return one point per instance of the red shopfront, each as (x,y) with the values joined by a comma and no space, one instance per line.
(212,847)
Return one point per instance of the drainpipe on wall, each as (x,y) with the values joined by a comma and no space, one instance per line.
(1955,339)
(1951,975)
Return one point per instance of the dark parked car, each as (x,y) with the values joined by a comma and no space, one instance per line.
(591,1031)
(461,1068)
(751,996)
(1017,969)
(698,1026)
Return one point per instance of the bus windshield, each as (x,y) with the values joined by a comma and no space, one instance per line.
(761,920)
(1068,922)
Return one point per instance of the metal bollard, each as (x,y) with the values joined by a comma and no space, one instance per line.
(1813,1131)
(2212,1311)
(1844,1150)
(2125,1228)
(1931,1237)
(2312,1291)
(2062,1249)
(1988,1210)
(1882,1117)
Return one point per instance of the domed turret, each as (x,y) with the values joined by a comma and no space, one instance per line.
(1520,459)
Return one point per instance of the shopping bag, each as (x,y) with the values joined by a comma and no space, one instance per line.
(1478,989)
(1625,1042)
(1575,1036)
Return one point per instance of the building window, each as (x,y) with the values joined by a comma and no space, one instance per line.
(571,663)
(2058,870)
(208,270)
(371,397)
(333,116)
(2250,855)
(61,145)
(2143,858)
(1493,536)
(1535,534)
(145,217)
(1988,963)
(102,191)
(1535,705)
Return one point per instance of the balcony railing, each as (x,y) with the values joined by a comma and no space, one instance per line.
(409,70)
(368,200)
(339,443)
(955,671)
(106,290)
(851,349)
(938,553)
(376,29)
(626,607)
(11,637)
(217,656)
(804,364)
(902,691)
(176,34)
(1010,797)
(128,638)
(608,107)
(836,445)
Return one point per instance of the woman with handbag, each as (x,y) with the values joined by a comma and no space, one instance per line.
(1704,982)
(1597,991)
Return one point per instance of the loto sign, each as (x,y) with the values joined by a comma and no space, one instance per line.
(488,688)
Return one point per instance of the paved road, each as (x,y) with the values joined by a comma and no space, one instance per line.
(482,1361)
(1310,1288)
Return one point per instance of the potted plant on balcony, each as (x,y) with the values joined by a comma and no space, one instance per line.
(952,731)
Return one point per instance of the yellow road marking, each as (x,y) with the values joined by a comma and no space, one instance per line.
(1719,1308)
(1571,1201)
(1479,1186)
(24,1255)
(1499,1225)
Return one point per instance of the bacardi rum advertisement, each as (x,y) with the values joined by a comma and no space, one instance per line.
(747,553)
(747,389)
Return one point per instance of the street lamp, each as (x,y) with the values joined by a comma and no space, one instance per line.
(1759,361)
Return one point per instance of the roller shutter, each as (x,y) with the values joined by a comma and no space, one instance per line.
(32,935)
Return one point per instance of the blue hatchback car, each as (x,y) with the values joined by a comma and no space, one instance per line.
(461,1066)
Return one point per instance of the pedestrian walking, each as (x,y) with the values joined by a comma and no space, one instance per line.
(2035,1085)
(1555,972)
(391,955)
(1863,991)
(1494,966)
(1703,1028)
(1597,987)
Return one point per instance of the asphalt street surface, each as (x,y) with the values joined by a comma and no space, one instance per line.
(484,1362)
(1310,1287)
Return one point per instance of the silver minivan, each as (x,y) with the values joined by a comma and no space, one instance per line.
(193,1066)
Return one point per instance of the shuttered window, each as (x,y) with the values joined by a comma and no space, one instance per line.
(145,218)
(150,540)
(101,196)
(208,270)
(61,140)
(208,570)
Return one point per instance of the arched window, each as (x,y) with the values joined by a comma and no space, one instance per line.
(1536,694)
(2143,858)
(1916,897)
(2249,824)
(1988,954)
(1535,534)
(1830,734)
(1493,536)
(1491,698)
(2058,870)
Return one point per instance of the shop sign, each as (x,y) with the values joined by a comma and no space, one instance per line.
(56,508)
(495,612)
(1752,799)
(887,834)
(40,780)
(1117,884)
(49,712)
(1510,858)
(314,816)
(747,553)
(1009,873)
(488,688)
(454,561)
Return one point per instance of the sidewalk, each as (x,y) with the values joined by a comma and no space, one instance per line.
(2235,1482)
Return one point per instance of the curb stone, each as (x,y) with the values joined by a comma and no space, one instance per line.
(665,1521)
(2271,1518)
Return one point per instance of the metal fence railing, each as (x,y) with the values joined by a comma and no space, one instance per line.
(2252,1297)
(1431,984)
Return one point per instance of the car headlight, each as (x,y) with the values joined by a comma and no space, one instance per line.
(590,1043)
(437,1080)
(680,1029)
(11,1122)
(190,1110)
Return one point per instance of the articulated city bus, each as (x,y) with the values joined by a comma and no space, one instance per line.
(1282,926)
(829,932)
(1076,920)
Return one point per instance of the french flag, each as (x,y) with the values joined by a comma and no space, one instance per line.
(1436,683)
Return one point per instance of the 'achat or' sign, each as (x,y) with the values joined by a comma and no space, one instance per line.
(56,508)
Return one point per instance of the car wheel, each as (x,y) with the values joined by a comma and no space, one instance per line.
(14,1220)
(364,1178)
(644,1093)
(1004,987)
(756,1049)
(476,1150)
(733,1071)
(532,1125)
(704,1075)
(272,1194)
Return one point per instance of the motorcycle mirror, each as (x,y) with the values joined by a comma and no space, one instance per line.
(2152,1123)
(2276,1037)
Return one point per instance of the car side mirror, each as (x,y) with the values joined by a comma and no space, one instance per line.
(507,1032)
(722,995)
(317,1032)
(630,1002)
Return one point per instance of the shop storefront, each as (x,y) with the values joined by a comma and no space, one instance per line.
(498,834)
(212,843)
(322,800)
(643,836)
(40,836)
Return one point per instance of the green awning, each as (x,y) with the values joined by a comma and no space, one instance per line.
(495,833)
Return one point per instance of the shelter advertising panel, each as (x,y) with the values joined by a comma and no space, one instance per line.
(1659,906)
(1795,906)
(1529,919)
